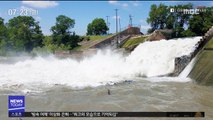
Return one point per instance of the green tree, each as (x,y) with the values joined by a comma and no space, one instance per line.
(2,29)
(158,16)
(89,29)
(200,23)
(3,37)
(171,19)
(152,19)
(181,19)
(24,33)
(163,13)
(62,36)
(97,27)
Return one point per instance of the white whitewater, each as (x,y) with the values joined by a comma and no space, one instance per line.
(148,59)
(187,69)
(157,58)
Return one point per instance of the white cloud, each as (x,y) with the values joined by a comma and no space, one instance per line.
(122,4)
(125,5)
(145,27)
(27,8)
(113,2)
(40,4)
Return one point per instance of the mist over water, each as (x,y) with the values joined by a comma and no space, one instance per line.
(149,59)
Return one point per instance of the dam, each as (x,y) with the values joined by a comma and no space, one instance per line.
(137,82)
(149,59)
(202,71)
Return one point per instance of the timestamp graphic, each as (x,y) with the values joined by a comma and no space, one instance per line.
(22,12)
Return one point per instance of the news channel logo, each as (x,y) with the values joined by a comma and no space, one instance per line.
(16,106)
(197,10)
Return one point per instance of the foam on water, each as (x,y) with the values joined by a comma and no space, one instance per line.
(148,59)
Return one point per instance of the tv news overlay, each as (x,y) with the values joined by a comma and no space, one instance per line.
(114,114)
(106,59)
(16,106)
(107,114)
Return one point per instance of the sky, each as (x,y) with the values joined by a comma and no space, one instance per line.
(83,12)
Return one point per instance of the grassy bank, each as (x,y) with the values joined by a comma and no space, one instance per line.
(209,44)
(97,37)
(90,41)
(133,42)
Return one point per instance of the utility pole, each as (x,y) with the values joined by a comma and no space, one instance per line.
(116,15)
(130,20)
(107,24)
(119,24)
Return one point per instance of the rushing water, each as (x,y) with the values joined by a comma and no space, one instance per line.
(52,84)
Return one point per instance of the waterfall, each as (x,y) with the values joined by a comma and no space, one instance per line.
(149,59)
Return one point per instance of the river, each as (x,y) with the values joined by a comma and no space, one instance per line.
(52,84)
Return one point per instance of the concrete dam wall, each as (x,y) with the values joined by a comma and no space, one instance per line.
(183,61)
(202,71)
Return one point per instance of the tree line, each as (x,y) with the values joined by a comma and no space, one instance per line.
(23,34)
(182,24)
